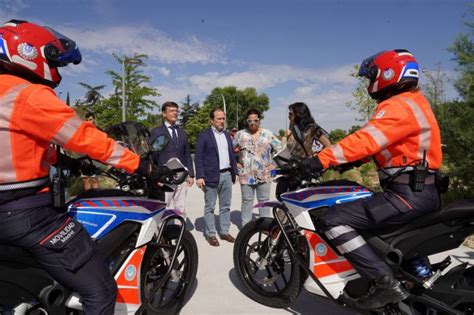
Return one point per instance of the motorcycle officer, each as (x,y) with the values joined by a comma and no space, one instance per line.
(403,137)
(32,117)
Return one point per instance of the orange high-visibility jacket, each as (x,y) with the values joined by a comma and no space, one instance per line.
(402,127)
(32,117)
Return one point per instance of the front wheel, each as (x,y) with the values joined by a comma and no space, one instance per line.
(168,299)
(269,273)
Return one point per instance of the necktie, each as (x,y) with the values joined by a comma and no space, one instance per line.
(174,137)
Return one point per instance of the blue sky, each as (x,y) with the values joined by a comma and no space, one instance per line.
(293,50)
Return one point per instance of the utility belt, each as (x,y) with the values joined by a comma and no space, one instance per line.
(35,183)
(22,195)
(415,178)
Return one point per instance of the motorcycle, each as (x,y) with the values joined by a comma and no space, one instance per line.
(276,257)
(148,250)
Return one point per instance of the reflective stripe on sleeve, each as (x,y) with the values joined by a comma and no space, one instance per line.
(377,135)
(116,155)
(425,128)
(338,154)
(67,131)
(351,245)
(7,102)
(337,231)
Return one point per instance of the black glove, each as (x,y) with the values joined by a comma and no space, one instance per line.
(77,166)
(313,164)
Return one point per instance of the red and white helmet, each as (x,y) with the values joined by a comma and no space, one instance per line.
(35,52)
(390,72)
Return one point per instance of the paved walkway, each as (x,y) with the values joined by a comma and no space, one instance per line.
(217,290)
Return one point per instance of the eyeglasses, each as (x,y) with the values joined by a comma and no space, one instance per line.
(253,121)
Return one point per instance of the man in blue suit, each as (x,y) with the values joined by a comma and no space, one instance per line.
(177,148)
(216,171)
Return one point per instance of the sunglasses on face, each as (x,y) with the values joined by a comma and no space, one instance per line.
(252,121)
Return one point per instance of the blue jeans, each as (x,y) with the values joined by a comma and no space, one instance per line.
(224,191)
(248,191)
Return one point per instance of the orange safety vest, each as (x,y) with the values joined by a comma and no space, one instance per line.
(402,128)
(32,117)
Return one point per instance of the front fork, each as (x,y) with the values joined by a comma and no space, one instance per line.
(282,217)
(166,255)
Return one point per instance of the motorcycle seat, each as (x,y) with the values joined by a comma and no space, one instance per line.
(458,211)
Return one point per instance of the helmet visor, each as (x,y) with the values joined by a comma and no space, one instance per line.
(70,54)
(368,68)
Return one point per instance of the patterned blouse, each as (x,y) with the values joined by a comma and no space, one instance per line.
(256,157)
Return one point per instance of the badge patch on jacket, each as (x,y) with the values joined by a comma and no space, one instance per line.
(380,114)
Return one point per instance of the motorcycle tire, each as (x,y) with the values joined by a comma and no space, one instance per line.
(292,283)
(171,297)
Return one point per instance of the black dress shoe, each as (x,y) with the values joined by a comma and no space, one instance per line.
(386,290)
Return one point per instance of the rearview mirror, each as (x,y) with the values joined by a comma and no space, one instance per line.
(160,143)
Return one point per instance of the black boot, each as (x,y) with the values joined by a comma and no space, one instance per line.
(385,290)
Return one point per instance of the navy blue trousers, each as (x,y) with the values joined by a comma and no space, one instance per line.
(397,205)
(65,250)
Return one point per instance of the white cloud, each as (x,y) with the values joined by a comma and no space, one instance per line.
(267,76)
(327,108)
(164,71)
(147,40)
(326,91)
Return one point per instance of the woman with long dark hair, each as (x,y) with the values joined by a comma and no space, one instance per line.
(304,127)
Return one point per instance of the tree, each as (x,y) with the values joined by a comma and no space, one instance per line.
(91,97)
(456,120)
(198,123)
(363,103)
(138,105)
(237,103)
(434,88)
(188,110)
(337,135)
(463,50)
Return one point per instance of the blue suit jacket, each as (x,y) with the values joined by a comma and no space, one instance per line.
(181,150)
(207,158)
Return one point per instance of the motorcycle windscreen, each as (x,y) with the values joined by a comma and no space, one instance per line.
(132,135)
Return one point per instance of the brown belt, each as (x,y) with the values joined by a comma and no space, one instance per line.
(405,179)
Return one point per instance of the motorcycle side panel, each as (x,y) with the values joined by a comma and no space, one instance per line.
(99,216)
(128,283)
(332,270)
(300,201)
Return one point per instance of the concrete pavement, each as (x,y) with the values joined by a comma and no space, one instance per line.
(217,289)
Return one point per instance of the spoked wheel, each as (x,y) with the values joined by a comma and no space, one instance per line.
(168,299)
(269,273)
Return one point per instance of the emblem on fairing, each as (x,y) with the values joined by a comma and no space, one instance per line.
(130,273)
(321,249)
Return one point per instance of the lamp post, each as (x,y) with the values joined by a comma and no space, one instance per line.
(225,111)
(134,61)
